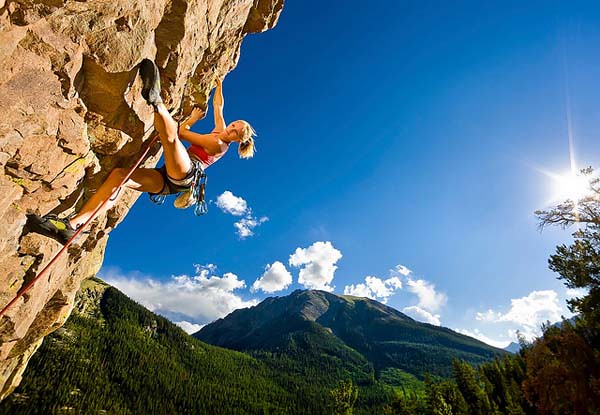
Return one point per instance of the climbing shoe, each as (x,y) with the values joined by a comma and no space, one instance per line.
(185,200)
(151,82)
(51,226)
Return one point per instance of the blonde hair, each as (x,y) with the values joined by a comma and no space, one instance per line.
(246,147)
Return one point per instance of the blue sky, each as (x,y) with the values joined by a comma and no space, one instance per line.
(402,133)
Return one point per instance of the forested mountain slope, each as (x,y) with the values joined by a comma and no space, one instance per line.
(114,355)
(351,328)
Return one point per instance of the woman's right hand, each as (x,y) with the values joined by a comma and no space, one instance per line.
(196,114)
(191,119)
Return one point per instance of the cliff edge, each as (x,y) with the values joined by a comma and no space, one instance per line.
(71,111)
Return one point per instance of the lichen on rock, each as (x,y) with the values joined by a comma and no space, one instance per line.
(71,111)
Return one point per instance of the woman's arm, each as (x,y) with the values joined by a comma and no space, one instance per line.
(210,142)
(218,104)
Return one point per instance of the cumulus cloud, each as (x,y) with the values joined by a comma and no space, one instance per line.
(534,309)
(237,206)
(489,315)
(275,278)
(482,337)
(429,298)
(197,299)
(527,313)
(245,226)
(576,292)
(402,270)
(317,264)
(420,314)
(229,203)
(189,328)
(375,288)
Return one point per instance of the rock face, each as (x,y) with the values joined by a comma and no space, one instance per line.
(71,111)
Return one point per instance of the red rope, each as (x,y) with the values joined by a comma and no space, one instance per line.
(81,228)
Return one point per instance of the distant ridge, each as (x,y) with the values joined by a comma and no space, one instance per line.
(513,347)
(320,322)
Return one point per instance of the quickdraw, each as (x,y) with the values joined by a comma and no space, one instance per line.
(199,190)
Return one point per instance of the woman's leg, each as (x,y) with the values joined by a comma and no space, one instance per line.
(143,180)
(177,160)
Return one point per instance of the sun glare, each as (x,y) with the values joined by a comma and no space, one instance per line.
(570,186)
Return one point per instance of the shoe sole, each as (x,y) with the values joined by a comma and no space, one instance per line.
(36,224)
(151,82)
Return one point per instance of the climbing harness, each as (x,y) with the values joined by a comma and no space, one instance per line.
(197,190)
(198,187)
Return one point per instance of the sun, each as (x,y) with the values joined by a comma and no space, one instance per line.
(570,185)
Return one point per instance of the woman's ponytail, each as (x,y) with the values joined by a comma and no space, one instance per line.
(246,147)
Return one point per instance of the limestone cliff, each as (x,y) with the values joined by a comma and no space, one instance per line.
(71,111)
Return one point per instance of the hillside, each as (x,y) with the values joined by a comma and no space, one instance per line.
(357,331)
(113,355)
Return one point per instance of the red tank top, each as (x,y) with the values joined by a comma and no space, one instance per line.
(203,156)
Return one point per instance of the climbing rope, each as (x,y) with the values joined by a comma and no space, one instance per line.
(81,228)
(200,209)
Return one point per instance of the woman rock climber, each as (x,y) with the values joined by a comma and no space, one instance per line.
(181,165)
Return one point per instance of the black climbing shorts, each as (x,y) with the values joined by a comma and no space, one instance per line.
(172,186)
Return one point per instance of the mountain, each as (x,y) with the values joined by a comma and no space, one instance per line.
(363,335)
(114,356)
(513,347)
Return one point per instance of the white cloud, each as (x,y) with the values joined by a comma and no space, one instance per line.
(237,206)
(535,309)
(489,316)
(245,226)
(275,278)
(480,336)
(576,292)
(429,298)
(359,290)
(318,265)
(197,299)
(229,203)
(527,314)
(394,282)
(375,288)
(402,270)
(422,315)
(189,328)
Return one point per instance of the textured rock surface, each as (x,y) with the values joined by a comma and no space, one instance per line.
(71,111)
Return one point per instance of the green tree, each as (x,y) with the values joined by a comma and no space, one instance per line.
(563,373)
(453,397)
(471,388)
(578,264)
(436,402)
(343,397)
(405,404)
(563,367)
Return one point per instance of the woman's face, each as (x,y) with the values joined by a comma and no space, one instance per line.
(234,130)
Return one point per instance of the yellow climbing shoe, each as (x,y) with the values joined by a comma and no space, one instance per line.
(51,226)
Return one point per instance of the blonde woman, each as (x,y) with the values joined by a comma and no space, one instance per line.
(182,166)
